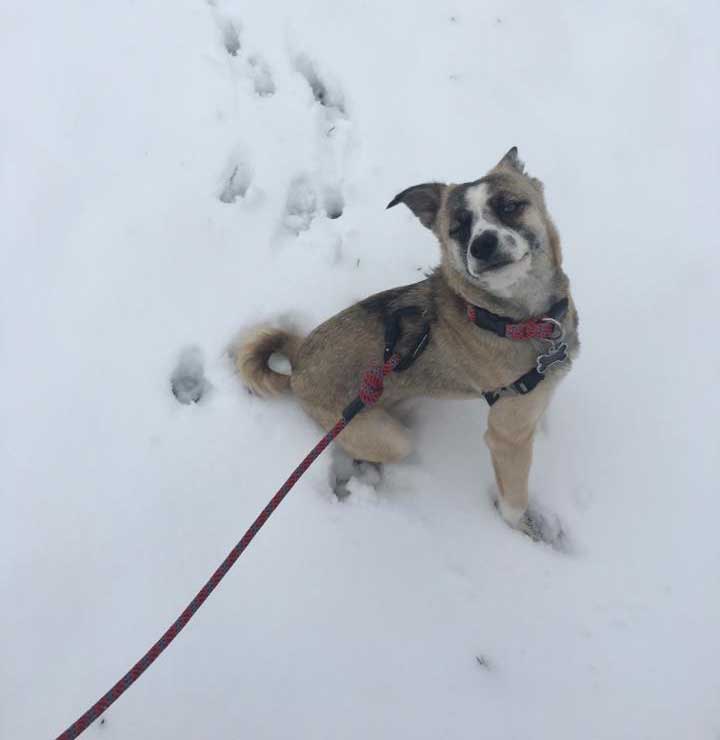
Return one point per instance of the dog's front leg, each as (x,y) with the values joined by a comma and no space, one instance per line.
(511,428)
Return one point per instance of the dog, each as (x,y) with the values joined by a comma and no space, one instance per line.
(494,319)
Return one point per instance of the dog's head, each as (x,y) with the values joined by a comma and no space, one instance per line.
(494,231)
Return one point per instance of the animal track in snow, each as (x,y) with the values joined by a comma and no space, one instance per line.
(187,381)
(254,65)
(329,97)
(236,183)
(332,126)
(301,205)
(333,202)
(230,36)
(263,81)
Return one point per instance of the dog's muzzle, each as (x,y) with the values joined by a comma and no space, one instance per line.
(486,253)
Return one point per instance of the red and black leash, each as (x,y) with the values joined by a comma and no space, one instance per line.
(371,389)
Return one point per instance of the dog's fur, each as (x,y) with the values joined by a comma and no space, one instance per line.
(501,251)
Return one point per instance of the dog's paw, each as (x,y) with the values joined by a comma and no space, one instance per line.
(540,525)
(347,474)
(368,473)
(544,526)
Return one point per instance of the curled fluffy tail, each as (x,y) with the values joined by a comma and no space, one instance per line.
(252,353)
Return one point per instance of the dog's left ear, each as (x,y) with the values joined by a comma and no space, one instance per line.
(512,161)
(423,200)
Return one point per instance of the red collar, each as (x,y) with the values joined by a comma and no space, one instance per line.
(544,327)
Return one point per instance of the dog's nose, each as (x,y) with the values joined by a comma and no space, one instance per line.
(483,246)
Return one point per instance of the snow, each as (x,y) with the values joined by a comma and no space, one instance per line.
(173,172)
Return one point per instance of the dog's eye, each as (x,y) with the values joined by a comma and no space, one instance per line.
(508,207)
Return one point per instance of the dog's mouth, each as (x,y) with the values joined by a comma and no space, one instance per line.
(494,267)
(497,266)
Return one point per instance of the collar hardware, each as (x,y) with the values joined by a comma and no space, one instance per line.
(547,328)
(544,327)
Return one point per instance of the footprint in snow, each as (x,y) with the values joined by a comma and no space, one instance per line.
(188,381)
(333,202)
(230,33)
(327,95)
(257,68)
(301,205)
(236,182)
(262,78)
(333,127)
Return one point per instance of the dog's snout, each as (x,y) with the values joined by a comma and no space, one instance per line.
(483,246)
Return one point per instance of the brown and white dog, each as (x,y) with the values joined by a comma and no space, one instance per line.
(500,257)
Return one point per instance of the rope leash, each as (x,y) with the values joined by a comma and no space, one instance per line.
(371,388)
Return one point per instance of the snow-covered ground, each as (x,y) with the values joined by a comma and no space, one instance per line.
(172,171)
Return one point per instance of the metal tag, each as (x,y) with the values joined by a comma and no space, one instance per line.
(556,354)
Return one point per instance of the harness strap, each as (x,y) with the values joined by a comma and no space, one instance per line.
(521,387)
(557,354)
(393,332)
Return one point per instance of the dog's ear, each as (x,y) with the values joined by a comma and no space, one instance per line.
(423,200)
(512,161)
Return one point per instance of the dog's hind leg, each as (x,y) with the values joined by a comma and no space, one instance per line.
(373,435)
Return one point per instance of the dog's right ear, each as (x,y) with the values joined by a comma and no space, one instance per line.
(423,200)
(512,161)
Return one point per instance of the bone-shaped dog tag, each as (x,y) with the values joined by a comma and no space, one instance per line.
(556,354)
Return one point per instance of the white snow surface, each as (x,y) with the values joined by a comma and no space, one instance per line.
(166,175)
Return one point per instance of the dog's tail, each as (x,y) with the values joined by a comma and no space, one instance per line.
(252,353)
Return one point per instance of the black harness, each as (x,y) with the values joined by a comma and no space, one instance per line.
(548,328)
(393,332)
(510,329)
